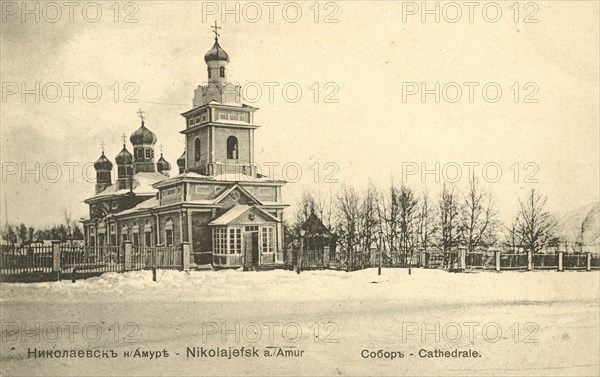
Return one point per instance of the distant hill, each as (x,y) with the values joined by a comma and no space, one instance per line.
(570,223)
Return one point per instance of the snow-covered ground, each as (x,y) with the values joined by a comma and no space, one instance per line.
(530,323)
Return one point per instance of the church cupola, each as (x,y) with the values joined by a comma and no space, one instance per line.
(218,88)
(181,163)
(124,162)
(162,166)
(216,59)
(103,168)
(143,141)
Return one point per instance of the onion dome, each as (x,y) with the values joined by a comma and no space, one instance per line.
(103,163)
(124,157)
(162,164)
(143,136)
(181,161)
(216,53)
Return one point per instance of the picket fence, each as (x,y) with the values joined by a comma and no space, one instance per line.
(50,261)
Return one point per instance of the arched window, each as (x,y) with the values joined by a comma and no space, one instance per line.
(169,232)
(197,150)
(232,148)
(124,233)
(148,234)
(222,71)
(209,72)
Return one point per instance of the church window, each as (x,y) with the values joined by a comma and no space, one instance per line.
(242,117)
(114,204)
(203,117)
(197,150)
(267,244)
(222,116)
(112,234)
(197,120)
(209,75)
(136,235)
(235,241)
(219,240)
(148,234)
(191,122)
(222,71)
(232,148)
(125,233)
(169,233)
(148,155)
(233,117)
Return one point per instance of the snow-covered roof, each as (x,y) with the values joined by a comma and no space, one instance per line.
(228,177)
(236,212)
(149,203)
(142,185)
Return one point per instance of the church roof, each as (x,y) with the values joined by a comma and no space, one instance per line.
(103,163)
(230,177)
(124,157)
(238,211)
(162,164)
(143,136)
(216,53)
(146,204)
(142,185)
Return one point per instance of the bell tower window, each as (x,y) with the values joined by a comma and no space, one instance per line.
(197,150)
(222,71)
(232,148)
(209,75)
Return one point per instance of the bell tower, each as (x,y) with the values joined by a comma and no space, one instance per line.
(219,128)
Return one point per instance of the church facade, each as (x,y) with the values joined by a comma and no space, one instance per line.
(218,203)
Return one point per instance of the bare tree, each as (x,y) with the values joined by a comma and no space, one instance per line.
(389,218)
(425,221)
(348,204)
(369,219)
(407,203)
(535,225)
(513,240)
(477,217)
(449,228)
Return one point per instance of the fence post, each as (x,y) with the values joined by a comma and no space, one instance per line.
(529,260)
(588,265)
(185,256)
(560,260)
(128,266)
(56,258)
(497,257)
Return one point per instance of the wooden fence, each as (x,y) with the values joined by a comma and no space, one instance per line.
(49,261)
(453,260)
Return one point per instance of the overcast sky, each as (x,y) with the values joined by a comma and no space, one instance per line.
(360,122)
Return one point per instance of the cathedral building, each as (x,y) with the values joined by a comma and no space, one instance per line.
(218,202)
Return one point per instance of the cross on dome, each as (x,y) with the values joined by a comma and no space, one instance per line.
(141,115)
(216,31)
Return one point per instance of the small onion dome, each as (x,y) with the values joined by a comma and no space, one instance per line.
(162,164)
(143,136)
(103,163)
(181,160)
(124,157)
(216,53)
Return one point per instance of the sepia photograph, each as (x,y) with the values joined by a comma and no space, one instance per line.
(300,188)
